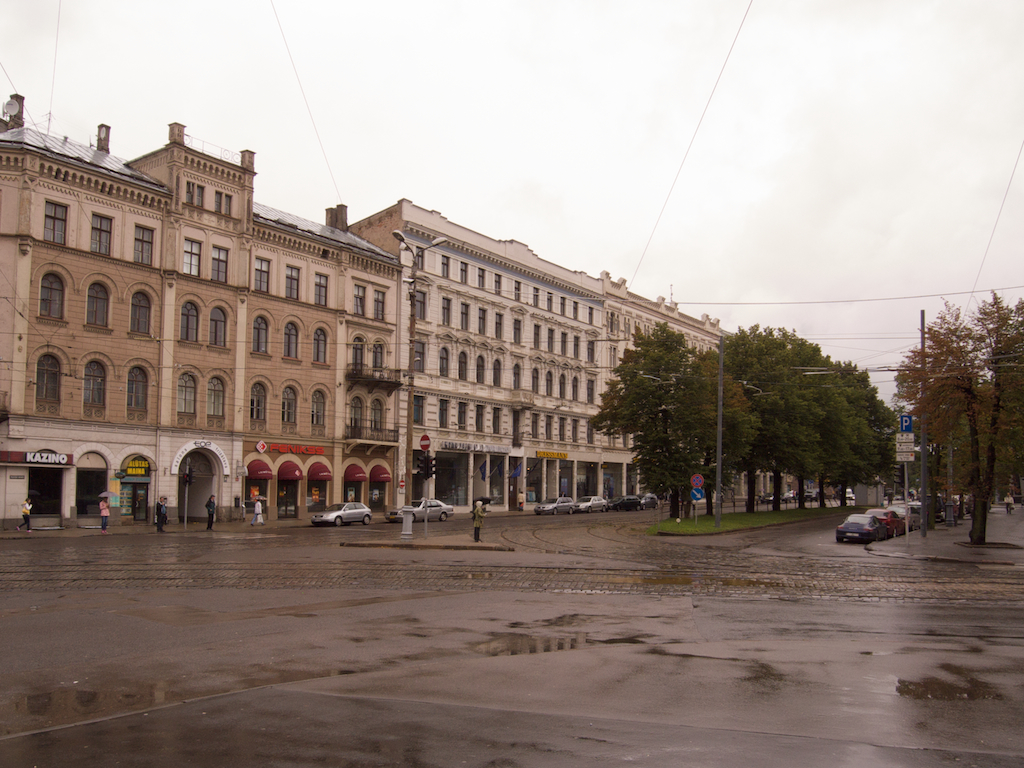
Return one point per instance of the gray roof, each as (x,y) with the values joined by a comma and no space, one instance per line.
(270,215)
(64,149)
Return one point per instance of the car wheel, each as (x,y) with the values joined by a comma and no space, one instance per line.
(366,519)
(338,521)
(442,516)
(569,511)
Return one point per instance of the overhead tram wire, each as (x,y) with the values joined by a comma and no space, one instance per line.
(689,146)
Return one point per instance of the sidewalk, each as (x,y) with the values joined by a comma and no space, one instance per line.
(1004,534)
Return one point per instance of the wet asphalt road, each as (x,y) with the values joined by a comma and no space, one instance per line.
(589,643)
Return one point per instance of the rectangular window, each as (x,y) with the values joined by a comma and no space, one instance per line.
(499,325)
(551,339)
(419,355)
(575,430)
(421,305)
(219,264)
(481,321)
(446,311)
(536,336)
(291,282)
(192,258)
(565,343)
(575,310)
(261,278)
(576,347)
(590,352)
(551,301)
(590,434)
(359,300)
(497,284)
(143,245)
(102,226)
(445,265)
(591,386)
(590,315)
(320,290)
(55,224)
(222,203)
(561,428)
(481,277)
(535,425)
(464,317)
(417,409)
(517,291)
(462,415)
(479,418)
(517,331)
(442,413)
(536,297)
(561,304)
(463,272)
(549,429)
(194,193)
(378,304)
(496,421)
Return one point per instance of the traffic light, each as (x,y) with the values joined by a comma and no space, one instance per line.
(426,465)
(187,477)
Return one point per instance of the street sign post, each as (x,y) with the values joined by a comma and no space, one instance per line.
(904,437)
(906,456)
(697,481)
(697,494)
(906,422)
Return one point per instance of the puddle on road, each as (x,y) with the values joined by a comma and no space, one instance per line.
(965,687)
(513,644)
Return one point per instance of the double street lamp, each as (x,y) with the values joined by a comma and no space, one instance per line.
(417,252)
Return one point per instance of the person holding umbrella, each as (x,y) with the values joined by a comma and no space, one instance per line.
(257,511)
(479,513)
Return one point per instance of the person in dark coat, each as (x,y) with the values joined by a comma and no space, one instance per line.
(161,514)
(211,510)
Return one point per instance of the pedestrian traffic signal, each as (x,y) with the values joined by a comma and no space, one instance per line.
(426,465)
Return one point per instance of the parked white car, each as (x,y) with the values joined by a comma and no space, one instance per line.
(591,504)
(343,514)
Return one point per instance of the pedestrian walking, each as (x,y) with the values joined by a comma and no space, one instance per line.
(161,514)
(257,512)
(104,514)
(26,510)
(1009,504)
(522,500)
(211,510)
(478,519)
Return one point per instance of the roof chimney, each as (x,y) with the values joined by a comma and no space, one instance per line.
(103,138)
(337,217)
(15,111)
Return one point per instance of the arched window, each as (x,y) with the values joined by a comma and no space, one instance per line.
(355,414)
(258,403)
(480,369)
(442,362)
(318,410)
(517,374)
(549,383)
(575,388)
(189,322)
(561,386)
(186,393)
(358,351)
(289,404)
(51,296)
(138,385)
(218,327)
(377,415)
(97,306)
(215,397)
(496,373)
(48,378)
(319,346)
(535,381)
(291,340)
(259,335)
(141,307)
(378,356)
(94,386)
(463,365)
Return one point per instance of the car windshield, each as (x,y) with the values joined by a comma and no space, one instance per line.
(860,519)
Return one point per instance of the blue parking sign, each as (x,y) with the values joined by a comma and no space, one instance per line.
(906,422)
(697,494)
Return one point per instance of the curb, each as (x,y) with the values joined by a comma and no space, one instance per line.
(418,545)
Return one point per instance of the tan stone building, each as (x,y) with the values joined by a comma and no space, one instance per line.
(161,322)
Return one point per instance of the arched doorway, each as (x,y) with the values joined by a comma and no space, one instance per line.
(204,484)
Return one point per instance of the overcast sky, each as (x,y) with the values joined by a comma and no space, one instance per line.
(853,149)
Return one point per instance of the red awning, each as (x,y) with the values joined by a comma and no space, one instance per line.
(380,474)
(289,471)
(354,474)
(319,472)
(258,470)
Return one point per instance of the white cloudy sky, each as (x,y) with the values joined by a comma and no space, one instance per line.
(853,149)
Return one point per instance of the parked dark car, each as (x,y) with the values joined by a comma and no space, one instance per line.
(625,502)
(649,501)
(861,527)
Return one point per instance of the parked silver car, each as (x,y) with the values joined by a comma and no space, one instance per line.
(343,514)
(591,504)
(554,506)
(431,509)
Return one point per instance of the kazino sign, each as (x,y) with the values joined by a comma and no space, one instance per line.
(36,457)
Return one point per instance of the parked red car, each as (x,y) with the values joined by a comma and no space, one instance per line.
(894,524)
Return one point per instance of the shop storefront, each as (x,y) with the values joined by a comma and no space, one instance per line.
(450,473)
(380,476)
(355,476)
(289,475)
(257,475)
(90,481)
(317,478)
(39,476)
(135,483)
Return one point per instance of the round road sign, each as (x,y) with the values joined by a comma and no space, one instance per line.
(425,443)
(697,481)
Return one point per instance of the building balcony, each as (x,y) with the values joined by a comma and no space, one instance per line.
(388,379)
(365,432)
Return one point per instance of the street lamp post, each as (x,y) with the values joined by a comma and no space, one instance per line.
(417,252)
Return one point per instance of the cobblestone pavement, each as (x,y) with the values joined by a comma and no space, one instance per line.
(630,563)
